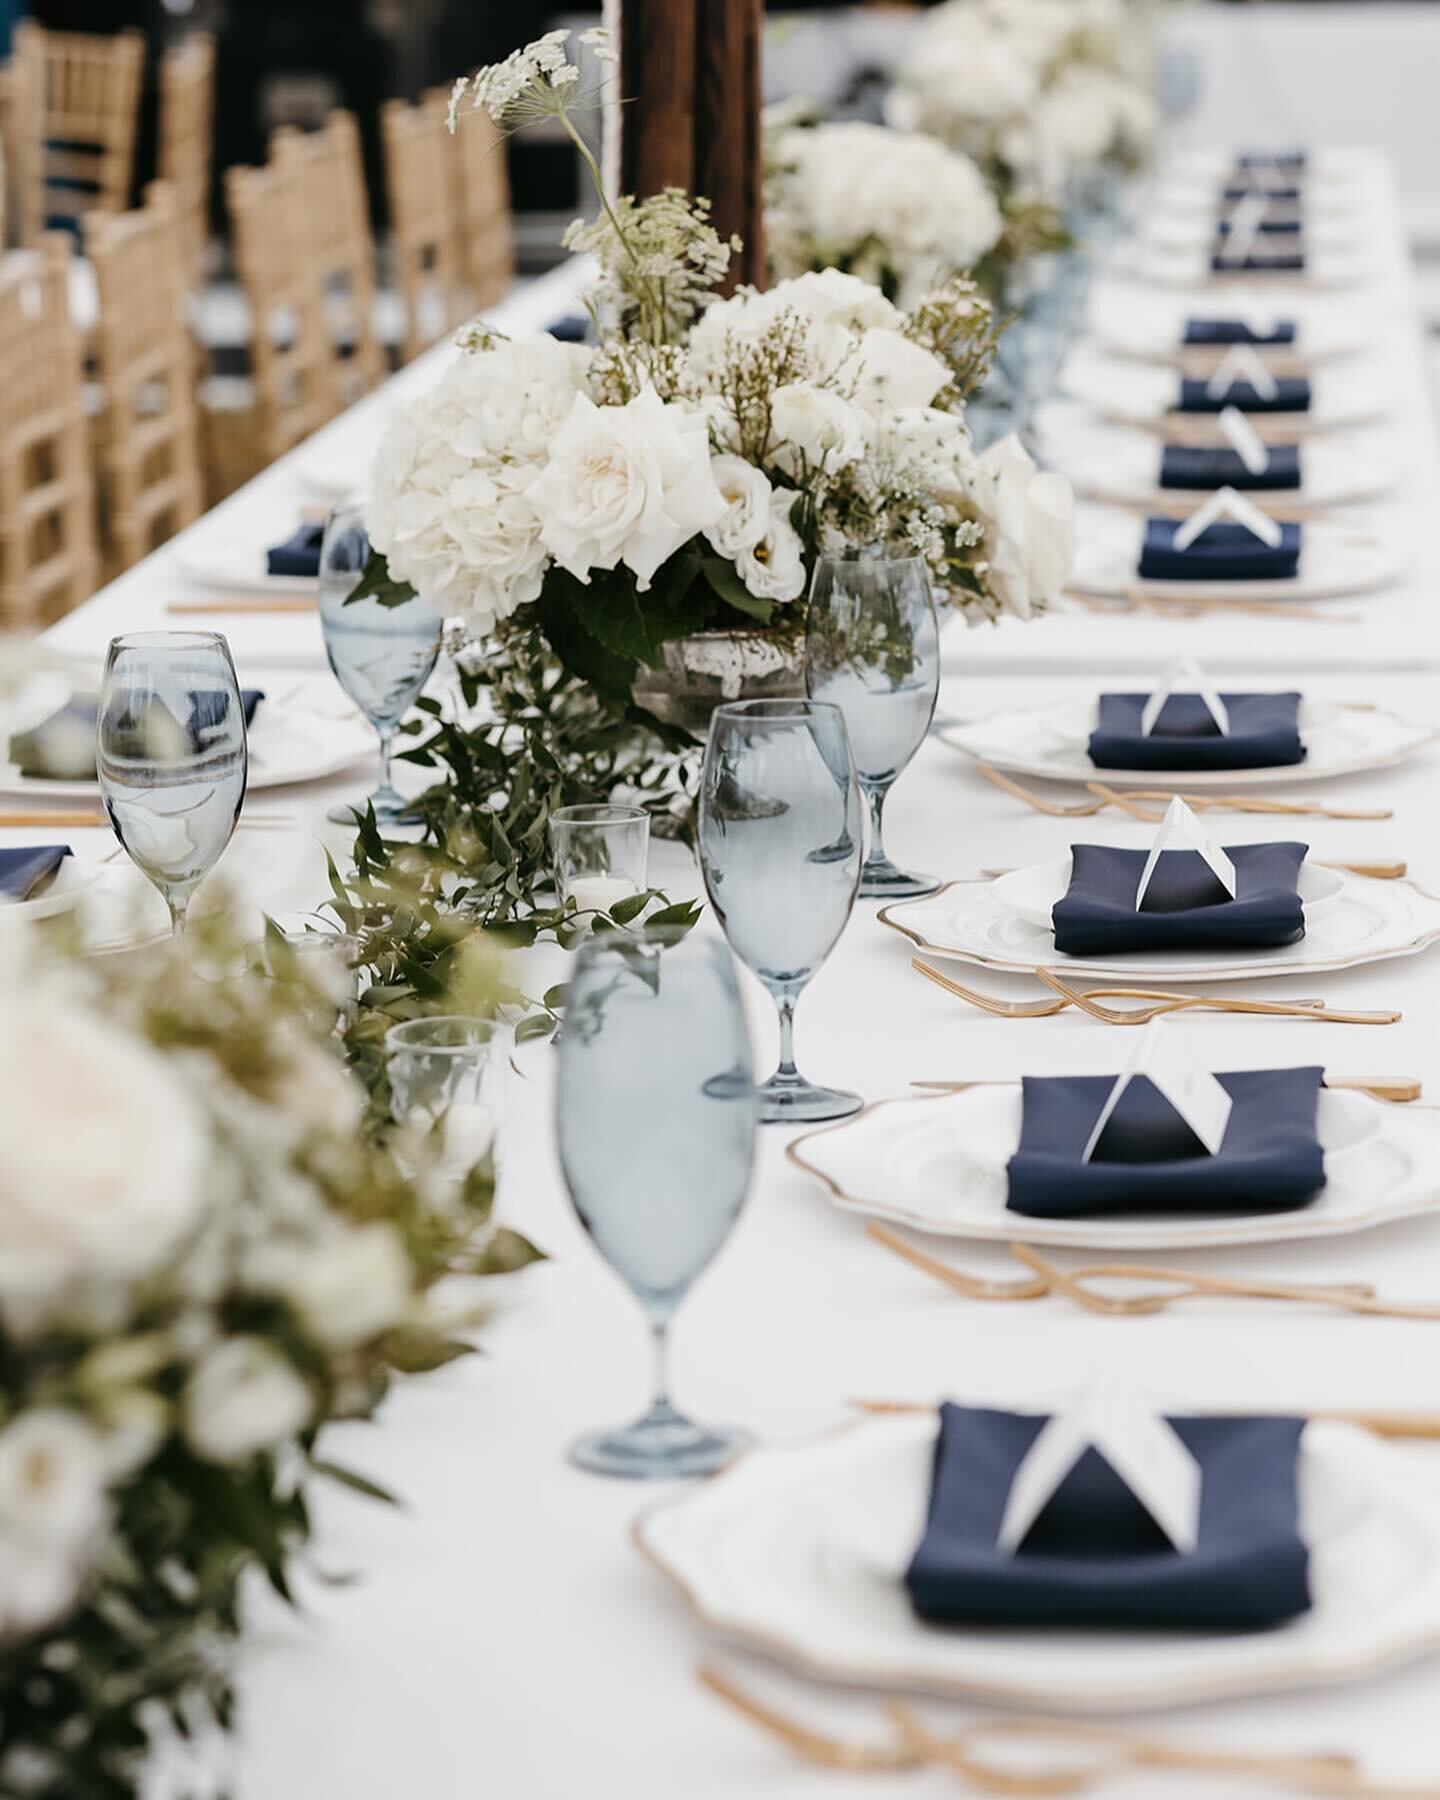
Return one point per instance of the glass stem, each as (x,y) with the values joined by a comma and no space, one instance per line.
(875,800)
(785,1000)
(660,1343)
(387,742)
(178,906)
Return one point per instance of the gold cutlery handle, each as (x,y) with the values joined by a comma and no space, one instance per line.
(1373,871)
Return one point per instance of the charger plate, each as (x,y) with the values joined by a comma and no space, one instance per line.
(936,1163)
(798,1549)
(1131,393)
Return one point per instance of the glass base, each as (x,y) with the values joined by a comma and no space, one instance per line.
(663,1446)
(391,808)
(882,880)
(795,1101)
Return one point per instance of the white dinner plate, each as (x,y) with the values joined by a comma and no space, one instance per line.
(1032,892)
(937,1163)
(1132,393)
(1335,559)
(1051,743)
(1368,921)
(1177,266)
(65,890)
(236,565)
(1325,169)
(1203,198)
(1320,233)
(336,471)
(798,1550)
(1120,464)
(289,744)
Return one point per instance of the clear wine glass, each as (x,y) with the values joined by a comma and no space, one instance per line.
(872,648)
(171,756)
(780,848)
(655,1110)
(381,655)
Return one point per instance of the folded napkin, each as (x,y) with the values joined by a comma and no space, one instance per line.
(298,555)
(1236,190)
(1292,394)
(1191,466)
(62,747)
(1237,331)
(1094,1556)
(23,871)
(1148,1160)
(1264,733)
(1223,551)
(1258,262)
(1264,227)
(1290,162)
(1186,908)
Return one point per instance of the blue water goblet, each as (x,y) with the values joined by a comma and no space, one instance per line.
(655,1113)
(781,835)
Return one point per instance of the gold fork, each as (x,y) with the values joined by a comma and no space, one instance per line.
(1131,801)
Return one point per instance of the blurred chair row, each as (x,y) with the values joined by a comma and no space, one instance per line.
(114,432)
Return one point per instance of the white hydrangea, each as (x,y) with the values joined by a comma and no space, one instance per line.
(831,306)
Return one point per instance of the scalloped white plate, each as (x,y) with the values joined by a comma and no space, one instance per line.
(65,890)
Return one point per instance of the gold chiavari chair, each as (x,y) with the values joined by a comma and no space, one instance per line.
(418,178)
(480,206)
(342,252)
(148,428)
(47,520)
(75,109)
(290,392)
(187,140)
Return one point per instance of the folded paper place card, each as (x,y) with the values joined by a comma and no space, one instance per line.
(1244,223)
(1180,829)
(1224,503)
(1240,363)
(1244,440)
(1193,1093)
(1139,1444)
(1184,669)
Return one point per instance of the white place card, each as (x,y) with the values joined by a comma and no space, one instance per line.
(1240,363)
(1140,1445)
(1184,668)
(1225,503)
(1244,440)
(1193,1093)
(1180,829)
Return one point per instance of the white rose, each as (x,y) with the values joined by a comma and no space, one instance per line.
(774,569)
(1029,519)
(746,518)
(890,372)
(101,1205)
(815,429)
(243,1397)
(351,1287)
(53,1512)
(625,484)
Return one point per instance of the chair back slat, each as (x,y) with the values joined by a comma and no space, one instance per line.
(186,150)
(418,178)
(75,109)
(480,207)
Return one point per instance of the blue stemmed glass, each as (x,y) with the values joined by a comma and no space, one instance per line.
(381,655)
(655,1108)
(872,648)
(780,847)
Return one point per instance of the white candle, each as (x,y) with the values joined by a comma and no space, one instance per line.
(598,893)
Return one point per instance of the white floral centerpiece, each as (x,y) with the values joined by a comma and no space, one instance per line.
(195,1276)
(677,477)
(1036,91)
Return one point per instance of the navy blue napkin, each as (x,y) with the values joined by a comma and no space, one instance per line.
(1237,331)
(1292,394)
(1258,262)
(1264,733)
(1149,1161)
(1223,551)
(62,747)
(1264,227)
(1236,190)
(1186,907)
(1192,466)
(1289,162)
(22,871)
(574,328)
(298,555)
(1094,1556)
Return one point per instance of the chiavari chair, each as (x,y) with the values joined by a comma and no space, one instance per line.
(480,206)
(418,180)
(47,521)
(186,142)
(148,427)
(75,108)
(337,237)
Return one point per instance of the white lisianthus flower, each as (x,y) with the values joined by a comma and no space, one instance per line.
(889,372)
(815,429)
(243,1397)
(53,1512)
(774,568)
(1029,520)
(746,518)
(625,484)
(94,1208)
(352,1287)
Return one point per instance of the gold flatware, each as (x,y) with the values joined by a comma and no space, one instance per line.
(1399,1090)
(1133,801)
(1175,1284)
(1100,1752)
(1182,606)
(55,818)
(248,603)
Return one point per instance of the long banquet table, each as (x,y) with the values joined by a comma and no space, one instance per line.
(503,1637)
